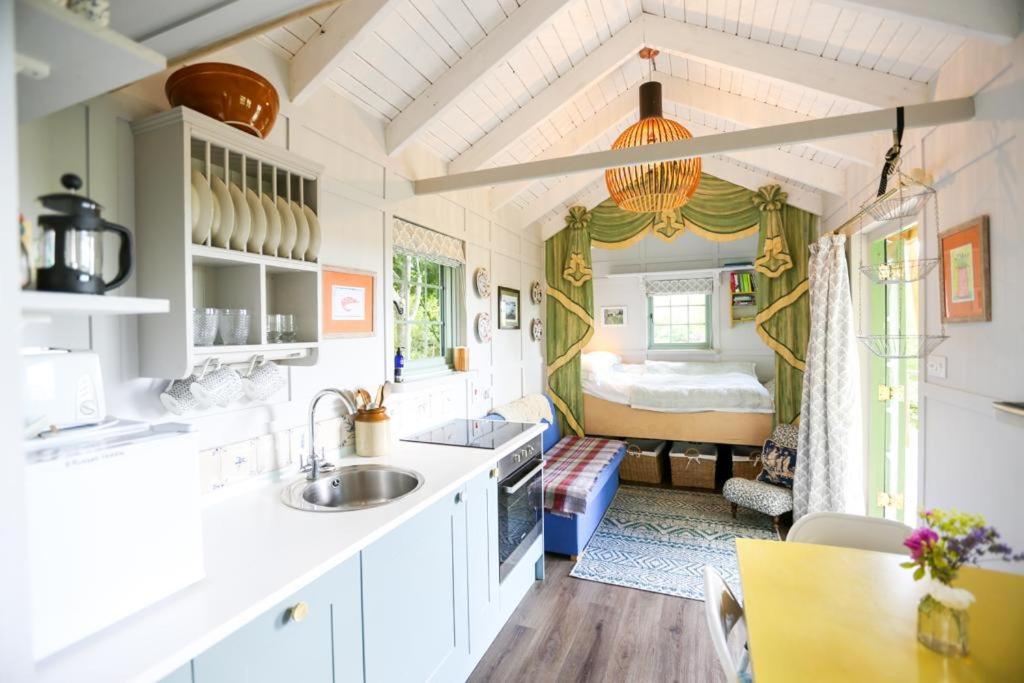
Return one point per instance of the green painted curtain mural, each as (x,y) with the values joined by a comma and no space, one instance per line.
(570,316)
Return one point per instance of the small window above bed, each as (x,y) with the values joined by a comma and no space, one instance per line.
(679,321)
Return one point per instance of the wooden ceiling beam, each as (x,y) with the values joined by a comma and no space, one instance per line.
(333,43)
(915,116)
(465,74)
(997,21)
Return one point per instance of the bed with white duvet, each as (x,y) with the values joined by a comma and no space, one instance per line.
(676,387)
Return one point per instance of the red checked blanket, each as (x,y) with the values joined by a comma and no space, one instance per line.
(572,467)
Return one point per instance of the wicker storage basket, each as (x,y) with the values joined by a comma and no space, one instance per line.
(693,464)
(643,461)
(746,462)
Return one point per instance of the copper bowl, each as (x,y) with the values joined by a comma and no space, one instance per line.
(232,94)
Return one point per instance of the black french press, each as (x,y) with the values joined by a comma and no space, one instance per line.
(70,244)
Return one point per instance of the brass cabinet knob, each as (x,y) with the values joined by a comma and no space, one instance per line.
(299,611)
(458,497)
(494,472)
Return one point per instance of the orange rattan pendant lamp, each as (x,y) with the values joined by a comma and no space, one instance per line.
(660,186)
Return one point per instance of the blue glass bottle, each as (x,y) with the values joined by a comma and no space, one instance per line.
(399,365)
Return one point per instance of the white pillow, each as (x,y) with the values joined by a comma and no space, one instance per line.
(700,367)
(599,360)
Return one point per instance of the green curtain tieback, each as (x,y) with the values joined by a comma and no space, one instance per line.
(576,264)
(775,258)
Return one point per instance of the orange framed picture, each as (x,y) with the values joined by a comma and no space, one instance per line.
(964,273)
(346,296)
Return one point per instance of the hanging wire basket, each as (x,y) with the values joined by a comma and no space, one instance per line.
(904,200)
(896,272)
(902,346)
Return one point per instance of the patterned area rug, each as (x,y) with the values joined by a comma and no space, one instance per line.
(659,540)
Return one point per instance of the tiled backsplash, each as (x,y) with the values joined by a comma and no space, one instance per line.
(242,461)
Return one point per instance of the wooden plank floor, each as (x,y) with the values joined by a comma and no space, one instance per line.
(568,629)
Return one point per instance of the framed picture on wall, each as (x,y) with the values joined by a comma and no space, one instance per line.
(347,302)
(964,272)
(613,316)
(508,308)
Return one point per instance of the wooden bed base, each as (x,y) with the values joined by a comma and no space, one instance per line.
(607,418)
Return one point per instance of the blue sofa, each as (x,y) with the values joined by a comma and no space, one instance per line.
(569,535)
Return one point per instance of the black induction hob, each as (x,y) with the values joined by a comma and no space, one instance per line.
(471,433)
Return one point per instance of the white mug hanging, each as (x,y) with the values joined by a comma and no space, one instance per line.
(483,327)
(537,329)
(536,292)
(482,279)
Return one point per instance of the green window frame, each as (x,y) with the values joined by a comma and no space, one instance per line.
(424,312)
(679,321)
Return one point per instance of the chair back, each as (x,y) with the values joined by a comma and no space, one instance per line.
(723,612)
(850,531)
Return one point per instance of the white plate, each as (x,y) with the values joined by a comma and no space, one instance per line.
(483,327)
(302,232)
(315,235)
(273,226)
(222,228)
(243,219)
(482,279)
(258,234)
(289,231)
(202,216)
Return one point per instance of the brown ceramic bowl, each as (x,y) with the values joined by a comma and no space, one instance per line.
(232,94)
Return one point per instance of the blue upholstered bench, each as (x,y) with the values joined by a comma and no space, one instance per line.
(569,534)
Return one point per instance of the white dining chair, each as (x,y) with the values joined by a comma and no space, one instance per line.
(723,612)
(850,531)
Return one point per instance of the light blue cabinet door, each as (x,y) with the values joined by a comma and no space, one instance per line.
(294,641)
(482,564)
(182,675)
(414,598)
(347,621)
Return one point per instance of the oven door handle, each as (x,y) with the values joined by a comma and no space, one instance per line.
(524,480)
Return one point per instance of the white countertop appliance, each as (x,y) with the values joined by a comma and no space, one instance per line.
(114,526)
(63,390)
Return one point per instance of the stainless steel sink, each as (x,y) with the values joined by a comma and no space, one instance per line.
(356,487)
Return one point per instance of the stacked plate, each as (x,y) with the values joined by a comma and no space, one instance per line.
(225,216)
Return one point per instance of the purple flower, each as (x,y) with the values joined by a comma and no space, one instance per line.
(919,541)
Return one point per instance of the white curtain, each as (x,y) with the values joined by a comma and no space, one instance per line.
(828,470)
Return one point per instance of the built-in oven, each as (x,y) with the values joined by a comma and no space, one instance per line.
(520,504)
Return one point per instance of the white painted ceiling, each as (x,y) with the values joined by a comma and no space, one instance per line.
(416,42)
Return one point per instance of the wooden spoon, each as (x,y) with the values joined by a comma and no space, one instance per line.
(380,395)
(364,398)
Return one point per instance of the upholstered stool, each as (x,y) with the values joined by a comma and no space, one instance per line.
(767,499)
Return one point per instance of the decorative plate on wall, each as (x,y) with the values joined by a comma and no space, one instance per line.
(483,327)
(537,329)
(482,279)
(536,292)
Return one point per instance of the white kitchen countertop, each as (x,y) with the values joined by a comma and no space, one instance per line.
(258,552)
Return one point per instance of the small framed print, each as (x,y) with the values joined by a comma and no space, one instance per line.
(347,302)
(508,308)
(613,316)
(964,273)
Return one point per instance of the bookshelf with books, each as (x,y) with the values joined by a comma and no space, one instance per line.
(742,296)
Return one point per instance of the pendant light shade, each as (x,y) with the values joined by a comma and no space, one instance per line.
(660,186)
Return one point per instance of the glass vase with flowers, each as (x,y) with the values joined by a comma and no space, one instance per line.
(947,541)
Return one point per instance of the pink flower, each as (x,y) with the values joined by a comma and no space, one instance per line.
(919,541)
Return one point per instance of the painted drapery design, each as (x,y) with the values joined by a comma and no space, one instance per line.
(774,257)
(718,211)
(783,317)
(570,316)
(826,477)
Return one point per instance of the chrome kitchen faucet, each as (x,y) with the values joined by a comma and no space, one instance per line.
(314,466)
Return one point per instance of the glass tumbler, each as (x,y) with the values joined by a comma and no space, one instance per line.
(204,326)
(287,323)
(273,328)
(234,326)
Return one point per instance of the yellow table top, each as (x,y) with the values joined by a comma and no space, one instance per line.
(820,613)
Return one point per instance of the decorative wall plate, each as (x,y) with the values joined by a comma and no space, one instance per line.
(537,329)
(482,279)
(483,327)
(536,292)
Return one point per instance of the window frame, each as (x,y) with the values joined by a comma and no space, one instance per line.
(446,284)
(706,345)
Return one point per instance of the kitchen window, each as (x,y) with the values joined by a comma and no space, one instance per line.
(679,321)
(427,277)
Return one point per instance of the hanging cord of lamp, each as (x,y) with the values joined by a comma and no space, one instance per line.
(659,186)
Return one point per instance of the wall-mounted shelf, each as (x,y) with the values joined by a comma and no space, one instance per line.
(169,148)
(33,302)
(742,296)
(65,59)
